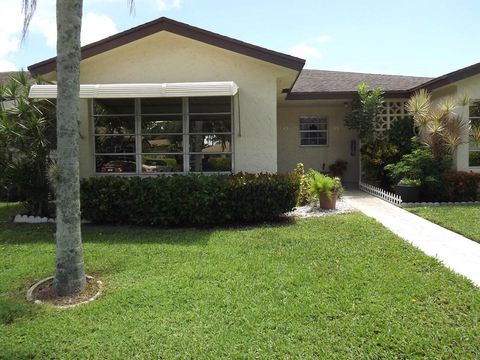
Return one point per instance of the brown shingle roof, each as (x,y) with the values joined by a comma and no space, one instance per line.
(322,83)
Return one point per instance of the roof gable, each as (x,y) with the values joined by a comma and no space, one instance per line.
(166,24)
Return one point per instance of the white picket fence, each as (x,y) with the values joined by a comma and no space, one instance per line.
(380,193)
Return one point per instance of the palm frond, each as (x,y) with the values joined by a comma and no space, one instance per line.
(419,107)
(447,106)
(475,134)
(28,9)
(131,6)
(464,99)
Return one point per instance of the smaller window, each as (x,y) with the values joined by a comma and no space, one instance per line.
(474,144)
(313,131)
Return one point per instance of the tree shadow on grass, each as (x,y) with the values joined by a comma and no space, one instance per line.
(163,235)
(17,234)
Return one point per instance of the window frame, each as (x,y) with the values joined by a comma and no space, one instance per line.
(300,131)
(186,133)
(475,167)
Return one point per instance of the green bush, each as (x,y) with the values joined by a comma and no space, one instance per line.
(400,134)
(461,185)
(376,155)
(188,200)
(422,165)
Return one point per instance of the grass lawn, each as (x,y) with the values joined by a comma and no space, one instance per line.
(464,219)
(338,287)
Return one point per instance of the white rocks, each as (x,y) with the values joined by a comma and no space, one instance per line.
(316,211)
(31,219)
(25,219)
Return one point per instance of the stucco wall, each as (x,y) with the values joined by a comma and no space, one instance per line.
(471,87)
(289,150)
(166,57)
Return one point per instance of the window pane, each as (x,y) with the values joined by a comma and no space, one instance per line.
(115,144)
(161,106)
(113,106)
(162,124)
(475,123)
(210,123)
(115,164)
(210,143)
(162,163)
(162,144)
(114,125)
(313,138)
(474,158)
(313,123)
(215,104)
(475,109)
(200,163)
(473,145)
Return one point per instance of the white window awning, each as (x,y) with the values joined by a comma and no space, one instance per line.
(190,89)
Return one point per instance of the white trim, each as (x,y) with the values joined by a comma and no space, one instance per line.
(188,89)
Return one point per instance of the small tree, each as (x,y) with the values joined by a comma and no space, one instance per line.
(364,111)
(439,126)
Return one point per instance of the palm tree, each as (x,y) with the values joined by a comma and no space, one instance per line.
(69,265)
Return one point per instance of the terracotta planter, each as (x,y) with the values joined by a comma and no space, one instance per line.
(326,203)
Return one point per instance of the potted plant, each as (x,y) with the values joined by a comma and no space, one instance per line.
(326,188)
(338,168)
(408,189)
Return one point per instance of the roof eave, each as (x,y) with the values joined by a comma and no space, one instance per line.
(166,24)
(339,95)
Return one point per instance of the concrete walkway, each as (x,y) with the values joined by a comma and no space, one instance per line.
(455,251)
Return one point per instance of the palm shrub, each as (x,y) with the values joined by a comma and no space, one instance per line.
(439,126)
(320,184)
(26,141)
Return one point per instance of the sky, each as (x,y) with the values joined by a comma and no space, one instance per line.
(406,37)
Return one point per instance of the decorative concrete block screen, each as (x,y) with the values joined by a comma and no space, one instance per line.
(391,112)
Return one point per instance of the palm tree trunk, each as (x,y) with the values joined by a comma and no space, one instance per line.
(69,274)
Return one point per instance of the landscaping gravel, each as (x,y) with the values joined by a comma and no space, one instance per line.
(315,211)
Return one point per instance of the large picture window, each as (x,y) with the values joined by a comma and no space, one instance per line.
(313,131)
(474,145)
(163,135)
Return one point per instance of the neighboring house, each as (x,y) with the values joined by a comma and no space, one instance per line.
(169,97)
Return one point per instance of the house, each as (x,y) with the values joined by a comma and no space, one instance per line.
(167,97)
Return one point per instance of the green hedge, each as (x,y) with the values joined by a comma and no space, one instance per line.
(187,200)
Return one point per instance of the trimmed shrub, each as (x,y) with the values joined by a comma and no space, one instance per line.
(188,200)
(461,185)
